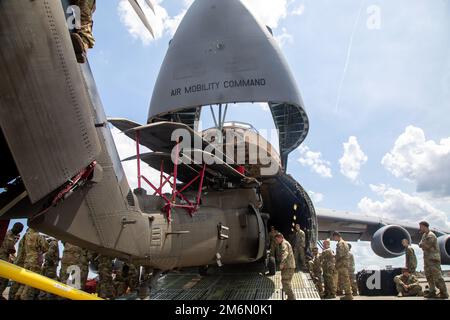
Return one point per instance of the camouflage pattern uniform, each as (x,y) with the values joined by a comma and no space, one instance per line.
(414,288)
(299,249)
(432,264)
(287,261)
(105,287)
(328,267)
(49,269)
(273,243)
(411,260)
(351,273)
(133,277)
(315,270)
(120,284)
(51,260)
(20,262)
(86,256)
(6,249)
(74,256)
(87,9)
(342,263)
(35,247)
(125,279)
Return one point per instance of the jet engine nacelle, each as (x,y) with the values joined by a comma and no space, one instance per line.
(387,241)
(444,247)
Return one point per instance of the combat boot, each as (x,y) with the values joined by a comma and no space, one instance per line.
(443,295)
(78,46)
(347,297)
(430,295)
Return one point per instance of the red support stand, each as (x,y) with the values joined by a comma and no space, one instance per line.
(171,203)
(138,155)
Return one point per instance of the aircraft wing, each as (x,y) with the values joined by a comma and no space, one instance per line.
(355,226)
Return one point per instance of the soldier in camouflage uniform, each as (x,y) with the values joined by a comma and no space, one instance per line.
(273,244)
(105,287)
(315,270)
(133,277)
(49,269)
(35,247)
(299,246)
(119,281)
(407,284)
(20,262)
(329,270)
(411,260)
(342,262)
(287,265)
(51,260)
(7,249)
(74,256)
(432,262)
(351,271)
(82,38)
(126,280)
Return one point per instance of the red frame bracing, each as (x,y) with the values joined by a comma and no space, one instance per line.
(171,203)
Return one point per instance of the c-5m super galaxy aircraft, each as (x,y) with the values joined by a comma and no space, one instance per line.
(60,167)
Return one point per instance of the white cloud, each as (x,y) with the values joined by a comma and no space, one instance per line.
(299,10)
(172,23)
(269,12)
(352,160)
(425,162)
(160,21)
(314,160)
(284,38)
(316,197)
(399,206)
(126,147)
(134,25)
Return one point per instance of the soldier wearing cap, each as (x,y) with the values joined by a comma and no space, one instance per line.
(407,284)
(299,247)
(410,256)
(273,244)
(342,262)
(7,248)
(82,37)
(432,262)
(287,265)
(315,270)
(328,262)
(351,271)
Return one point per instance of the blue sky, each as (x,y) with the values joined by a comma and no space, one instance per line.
(394,96)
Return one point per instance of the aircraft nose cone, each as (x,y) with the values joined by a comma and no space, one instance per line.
(222,54)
